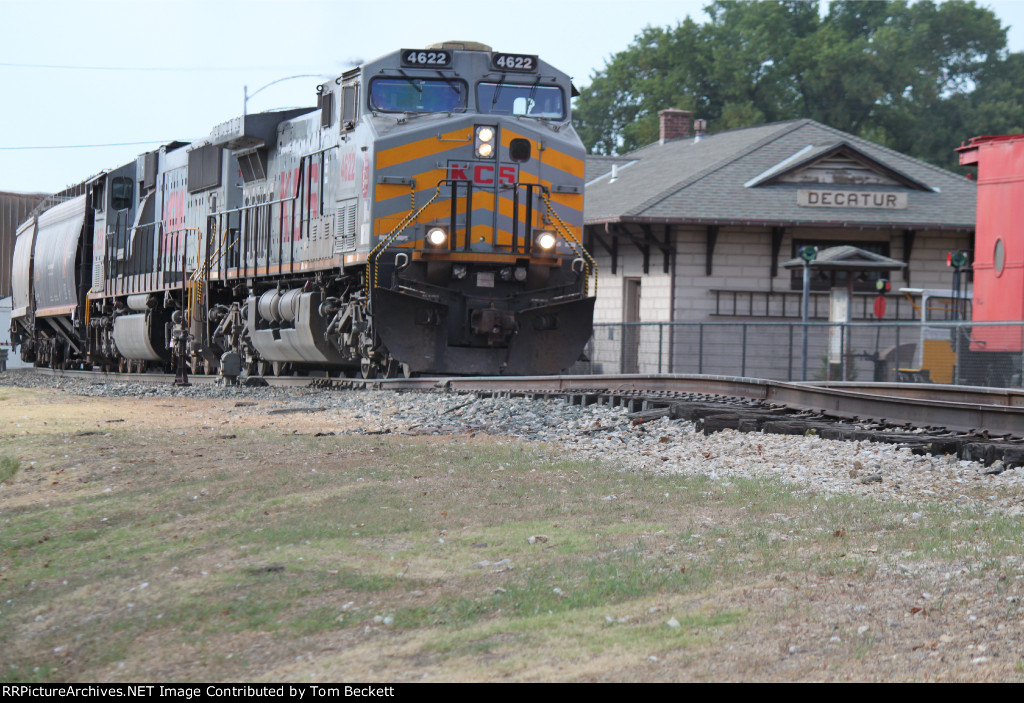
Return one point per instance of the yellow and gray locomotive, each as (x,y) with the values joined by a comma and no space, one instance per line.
(424,217)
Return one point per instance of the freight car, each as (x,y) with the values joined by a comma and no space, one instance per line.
(424,217)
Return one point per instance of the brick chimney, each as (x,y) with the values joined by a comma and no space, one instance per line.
(675,124)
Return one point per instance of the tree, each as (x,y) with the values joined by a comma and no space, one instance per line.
(907,76)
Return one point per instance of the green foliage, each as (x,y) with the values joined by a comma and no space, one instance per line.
(918,77)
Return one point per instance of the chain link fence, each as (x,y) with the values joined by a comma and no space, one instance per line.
(980,354)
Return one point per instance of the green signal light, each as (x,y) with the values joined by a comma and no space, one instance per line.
(808,253)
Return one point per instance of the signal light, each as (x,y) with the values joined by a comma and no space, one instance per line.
(883,285)
(956,259)
(808,253)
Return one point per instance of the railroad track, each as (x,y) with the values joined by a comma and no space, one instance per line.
(984,411)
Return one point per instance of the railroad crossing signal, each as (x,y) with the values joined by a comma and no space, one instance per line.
(808,253)
(882,285)
(956,259)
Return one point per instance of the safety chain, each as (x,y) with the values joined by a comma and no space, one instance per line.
(386,241)
(576,244)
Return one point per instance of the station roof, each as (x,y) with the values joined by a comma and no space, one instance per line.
(795,173)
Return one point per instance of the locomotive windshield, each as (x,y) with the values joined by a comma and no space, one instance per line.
(527,100)
(417,95)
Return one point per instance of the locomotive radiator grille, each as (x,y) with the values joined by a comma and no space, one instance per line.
(345,228)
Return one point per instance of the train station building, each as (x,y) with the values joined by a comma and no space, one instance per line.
(693,229)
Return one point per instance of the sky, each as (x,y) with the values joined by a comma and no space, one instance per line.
(77,74)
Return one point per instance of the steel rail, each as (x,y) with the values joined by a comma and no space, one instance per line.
(964,409)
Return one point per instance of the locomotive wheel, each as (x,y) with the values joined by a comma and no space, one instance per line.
(122,365)
(281,368)
(367,369)
(262,368)
(407,371)
(201,366)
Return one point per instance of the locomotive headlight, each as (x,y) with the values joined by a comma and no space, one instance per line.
(520,273)
(459,271)
(506,273)
(437,236)
(485,142)
(546,240)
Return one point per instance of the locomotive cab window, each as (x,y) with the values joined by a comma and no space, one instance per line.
(348,106)
(121,193)
(417,95)
(534,100)
(98,202)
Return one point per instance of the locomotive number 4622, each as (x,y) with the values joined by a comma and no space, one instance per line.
(419,57)
(514,62)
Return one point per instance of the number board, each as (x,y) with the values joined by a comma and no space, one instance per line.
(514,62)
(426,58)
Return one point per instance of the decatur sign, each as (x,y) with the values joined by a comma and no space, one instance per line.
(847,198)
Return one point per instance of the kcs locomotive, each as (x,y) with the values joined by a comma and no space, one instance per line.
(424,217)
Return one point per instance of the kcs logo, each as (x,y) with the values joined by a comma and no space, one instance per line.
(482,173)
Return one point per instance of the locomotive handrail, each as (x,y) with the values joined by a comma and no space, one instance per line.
(390,237)
(185,230)
(198,276)
(575,243)
(414,213)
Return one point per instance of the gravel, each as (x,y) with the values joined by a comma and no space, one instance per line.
(661,446)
